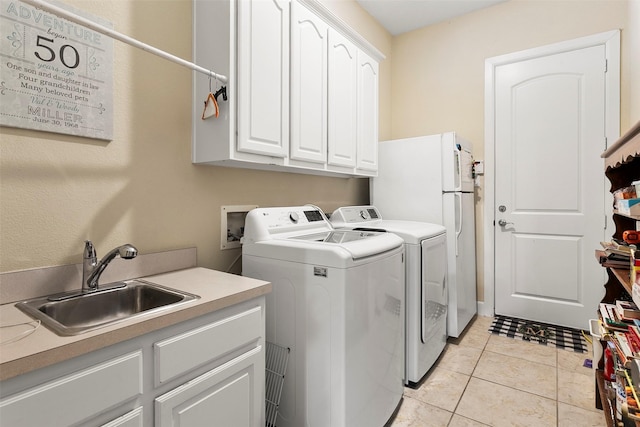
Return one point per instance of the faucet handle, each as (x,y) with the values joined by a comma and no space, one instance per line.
(89,250)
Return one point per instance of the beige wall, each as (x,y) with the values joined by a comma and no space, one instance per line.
(632,61)
(438,71)
(56,191)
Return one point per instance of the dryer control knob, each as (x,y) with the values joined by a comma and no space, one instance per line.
(293,216)
(364,214)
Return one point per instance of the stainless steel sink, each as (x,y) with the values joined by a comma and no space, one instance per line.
(73,314)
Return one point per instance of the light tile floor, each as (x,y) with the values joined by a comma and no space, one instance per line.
(483,379)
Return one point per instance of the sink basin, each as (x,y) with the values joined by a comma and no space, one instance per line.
(73,314)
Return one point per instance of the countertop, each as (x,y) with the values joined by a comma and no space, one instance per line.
(43,347)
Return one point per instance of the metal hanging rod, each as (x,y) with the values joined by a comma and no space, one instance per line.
(121,37)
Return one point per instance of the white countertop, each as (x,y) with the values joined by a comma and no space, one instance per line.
(43,347)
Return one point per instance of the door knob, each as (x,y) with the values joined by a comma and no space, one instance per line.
(503,223)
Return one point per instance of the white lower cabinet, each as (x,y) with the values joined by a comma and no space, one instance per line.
(204,371)
(130,419)
(77,397)
(222,396)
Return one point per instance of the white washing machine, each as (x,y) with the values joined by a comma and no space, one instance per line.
(338,304)
(426,283)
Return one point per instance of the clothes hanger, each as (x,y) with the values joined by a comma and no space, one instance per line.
(222,91)
(211,104)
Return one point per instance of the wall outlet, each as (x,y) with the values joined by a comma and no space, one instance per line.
(232,225)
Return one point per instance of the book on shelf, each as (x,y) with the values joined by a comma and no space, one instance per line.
(627,310)
(610,319)
(634,336)
(618,258)
(623,346)
(619,361)
(614,248)
(613,260)
(627,344)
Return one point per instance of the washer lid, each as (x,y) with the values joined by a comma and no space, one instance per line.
(369,218)
(303,234)
(340,249)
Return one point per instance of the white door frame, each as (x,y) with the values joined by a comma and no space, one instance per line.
(611,41)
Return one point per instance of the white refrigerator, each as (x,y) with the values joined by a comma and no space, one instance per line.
(430,179)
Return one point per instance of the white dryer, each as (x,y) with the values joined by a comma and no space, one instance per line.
(426,282)
(338,304)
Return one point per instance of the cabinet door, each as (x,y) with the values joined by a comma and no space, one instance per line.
(309,43)
(130,419)
(76,397)
(263,77)
(367,108)
(342,100)
(230,395)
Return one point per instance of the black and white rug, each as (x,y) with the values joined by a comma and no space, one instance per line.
(542,333)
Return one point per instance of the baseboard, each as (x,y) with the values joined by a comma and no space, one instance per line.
(484,309)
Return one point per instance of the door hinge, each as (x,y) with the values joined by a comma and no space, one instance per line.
(606,65)
(606,143)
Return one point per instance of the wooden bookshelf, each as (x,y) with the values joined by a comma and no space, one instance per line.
(622,167)
(623,277)
(601,400)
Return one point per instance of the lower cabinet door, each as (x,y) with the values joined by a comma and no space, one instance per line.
(78,397)
(229,395)
(130,419)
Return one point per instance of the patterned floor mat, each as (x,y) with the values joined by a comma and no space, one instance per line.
(542,333)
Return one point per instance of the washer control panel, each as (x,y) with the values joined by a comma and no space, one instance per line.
(264,222)
(352,214)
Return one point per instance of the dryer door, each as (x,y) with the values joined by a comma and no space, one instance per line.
(434,291)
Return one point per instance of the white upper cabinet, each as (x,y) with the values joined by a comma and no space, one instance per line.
(309,44)
(302,89)
(343,66)
(367,128)
(263,77)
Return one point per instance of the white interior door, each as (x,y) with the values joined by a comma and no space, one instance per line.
(549,189)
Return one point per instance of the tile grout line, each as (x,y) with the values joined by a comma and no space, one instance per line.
(467,385)
(557,388)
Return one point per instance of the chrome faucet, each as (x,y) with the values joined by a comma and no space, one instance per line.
(92,269)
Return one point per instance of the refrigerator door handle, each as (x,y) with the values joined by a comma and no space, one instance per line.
(458,208)
(458,172)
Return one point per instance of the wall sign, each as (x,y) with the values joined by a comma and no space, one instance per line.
(55,75)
